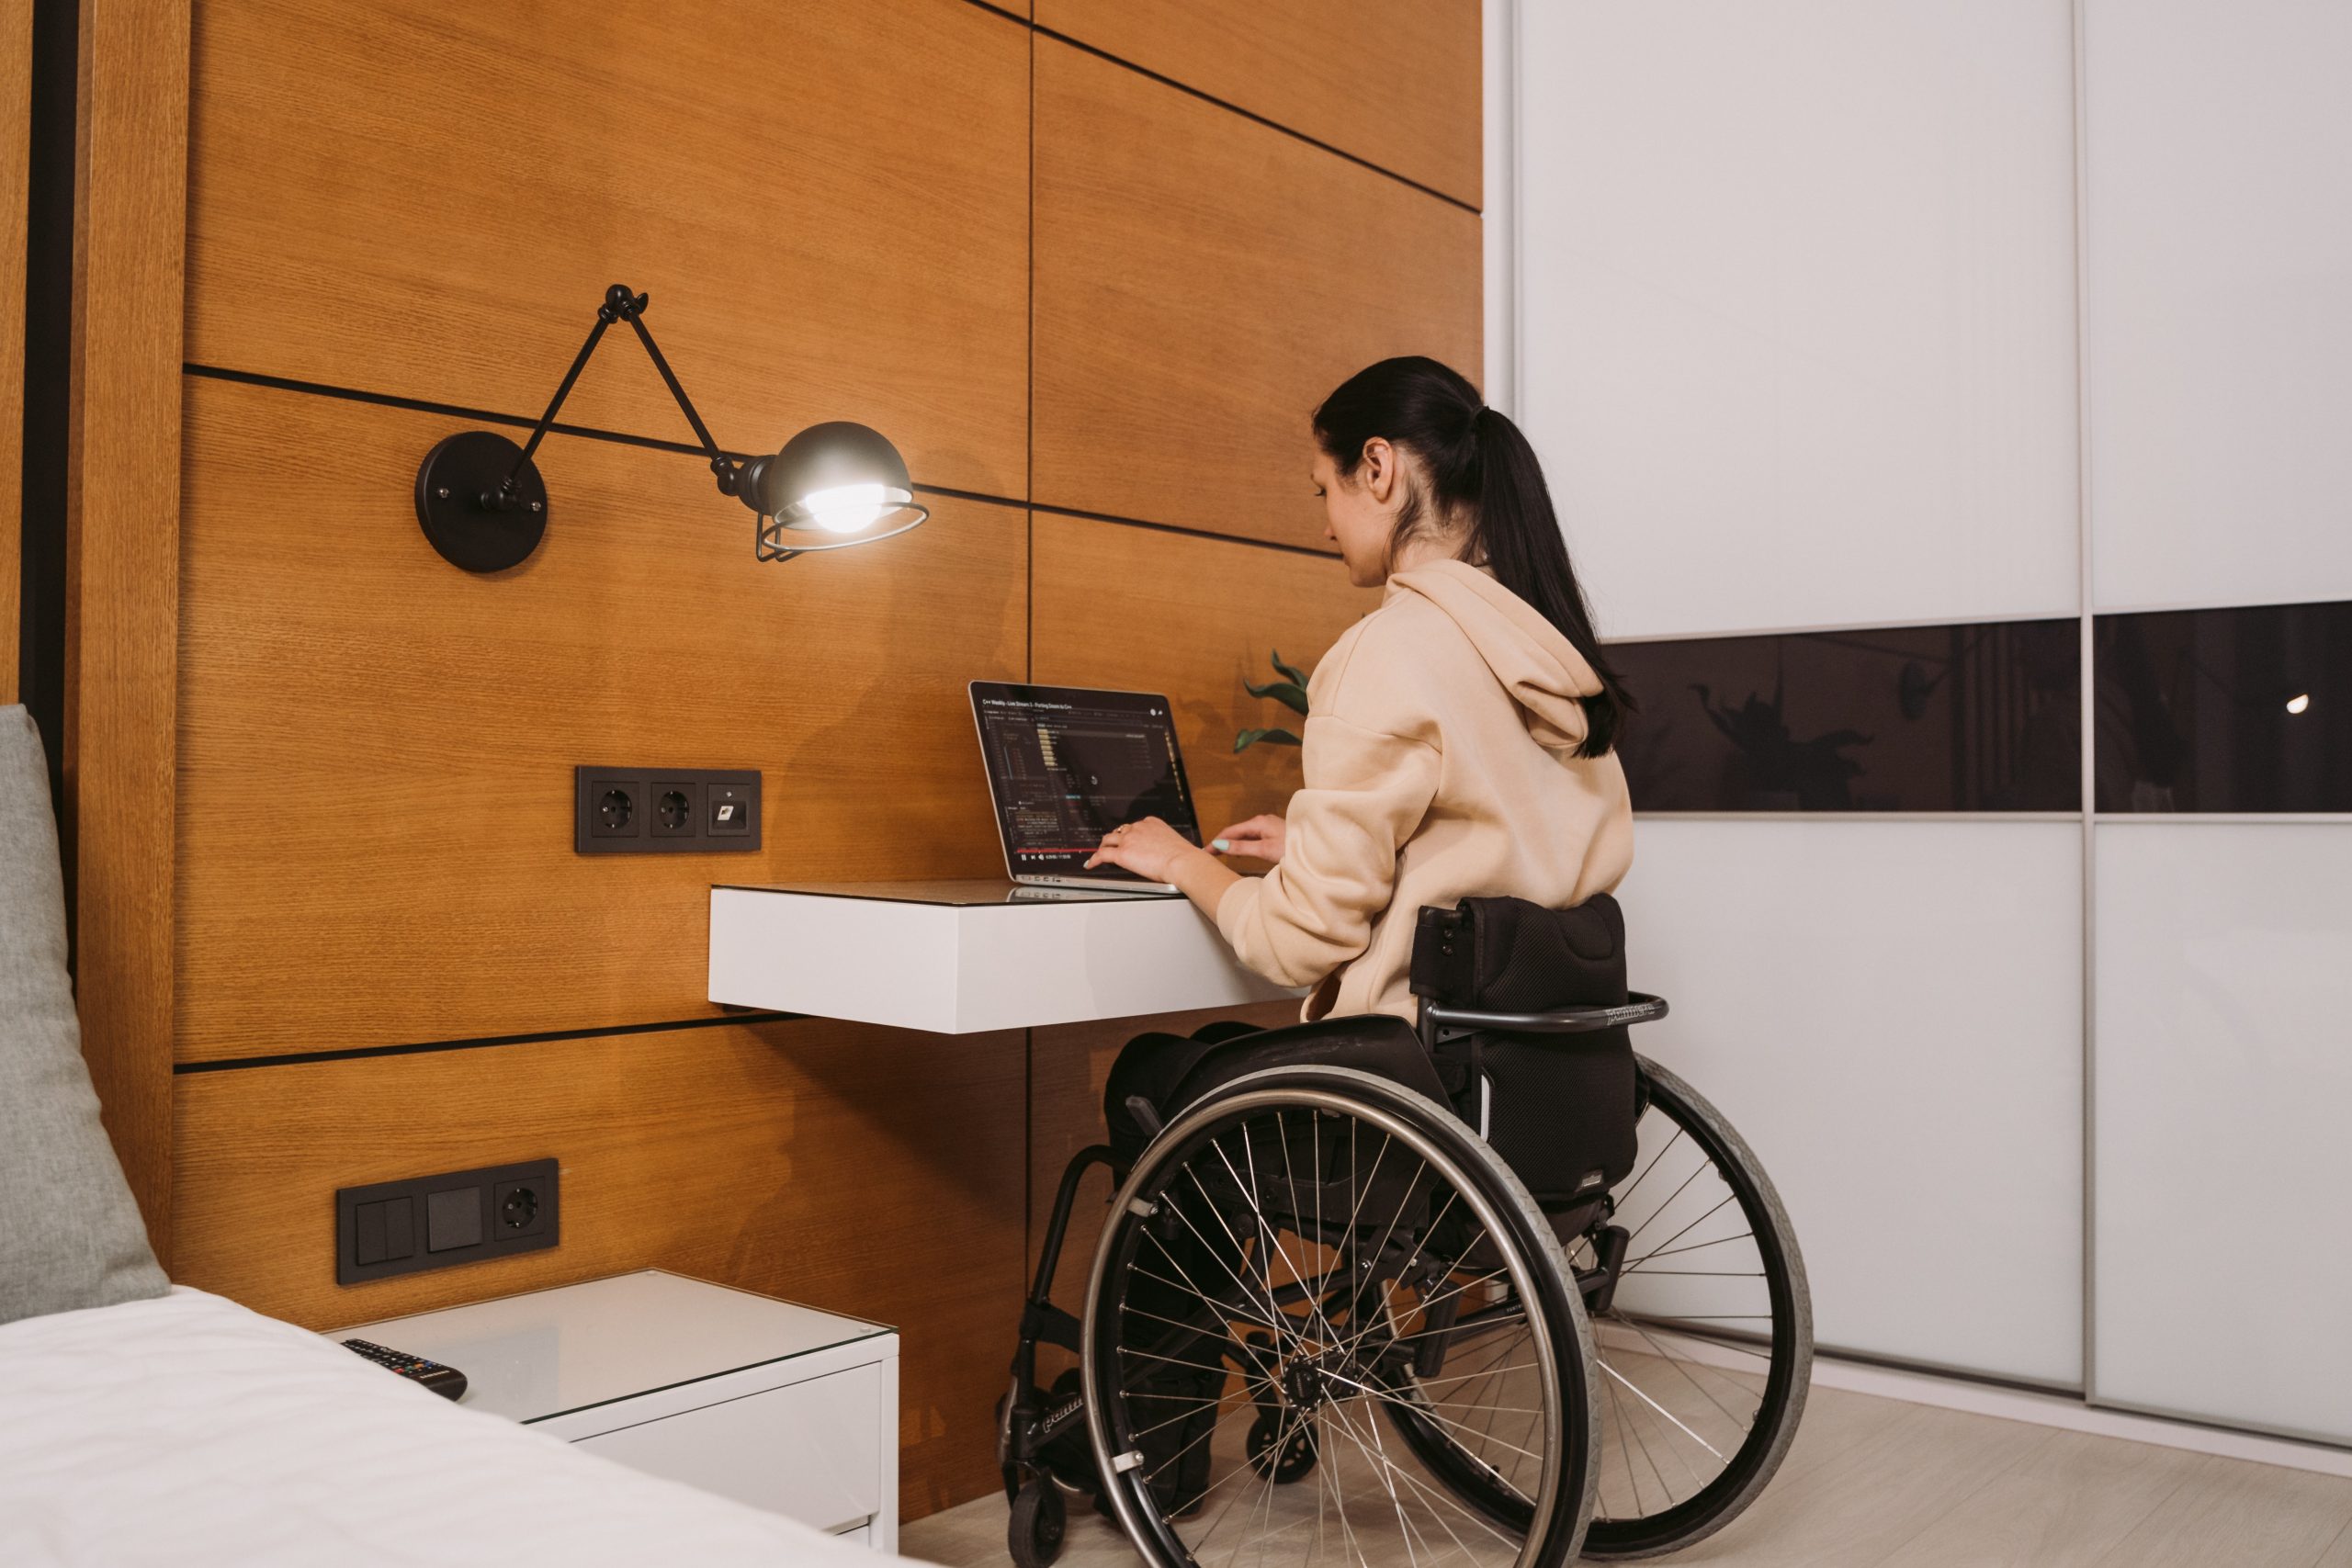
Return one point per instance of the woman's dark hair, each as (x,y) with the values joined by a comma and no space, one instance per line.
(1480,468)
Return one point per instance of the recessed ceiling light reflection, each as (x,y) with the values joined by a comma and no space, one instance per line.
(2299,701)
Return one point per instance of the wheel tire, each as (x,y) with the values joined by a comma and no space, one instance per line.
(1039,1520)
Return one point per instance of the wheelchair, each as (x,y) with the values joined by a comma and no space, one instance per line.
(1496,1287)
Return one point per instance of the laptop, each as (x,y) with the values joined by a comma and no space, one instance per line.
(1066,765)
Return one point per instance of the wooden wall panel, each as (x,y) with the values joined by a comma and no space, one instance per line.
(374,749)
(1394,82)
(828,204)
(122,595)
(868,1171)
(375,791)
(1147,610)
(16,126)
(1200,283)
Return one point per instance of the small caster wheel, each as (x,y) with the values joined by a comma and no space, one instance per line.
(1033,1534)
(1296,1457)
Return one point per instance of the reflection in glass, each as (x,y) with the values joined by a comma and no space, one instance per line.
(1973,717)
(2225,710)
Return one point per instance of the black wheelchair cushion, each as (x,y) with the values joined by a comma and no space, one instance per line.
(1371,1042)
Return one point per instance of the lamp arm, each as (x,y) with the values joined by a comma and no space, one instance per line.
(503,499)
(621,304)
(719,464)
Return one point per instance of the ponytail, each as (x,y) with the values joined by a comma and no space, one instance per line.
(1481,466)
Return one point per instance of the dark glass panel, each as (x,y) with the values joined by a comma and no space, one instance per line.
(2225,710)
(1975,718)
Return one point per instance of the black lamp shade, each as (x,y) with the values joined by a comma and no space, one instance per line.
(834,484)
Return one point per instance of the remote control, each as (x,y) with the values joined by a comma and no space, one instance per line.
(446,1381)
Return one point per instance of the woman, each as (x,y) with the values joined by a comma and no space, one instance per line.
(1460,737)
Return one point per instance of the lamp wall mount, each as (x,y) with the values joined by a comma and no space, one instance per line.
(483,506)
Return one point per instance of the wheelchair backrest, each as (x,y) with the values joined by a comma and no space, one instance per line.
(1560,1109)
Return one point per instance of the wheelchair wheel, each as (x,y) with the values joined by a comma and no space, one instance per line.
(1284,1253)
(1702,1327)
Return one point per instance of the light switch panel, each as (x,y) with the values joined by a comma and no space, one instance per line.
(432,1222)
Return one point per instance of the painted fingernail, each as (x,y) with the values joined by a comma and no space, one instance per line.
(1224,846)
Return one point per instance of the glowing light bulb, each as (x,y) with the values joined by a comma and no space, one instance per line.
(847,508)
(2299,701)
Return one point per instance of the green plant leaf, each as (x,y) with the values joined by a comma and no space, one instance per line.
(1289,694)
(1249,737)
(1289,672)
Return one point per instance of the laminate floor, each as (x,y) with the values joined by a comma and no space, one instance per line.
(1873,1481)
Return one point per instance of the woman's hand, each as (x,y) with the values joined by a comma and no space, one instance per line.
(1150,848)
(1260,838)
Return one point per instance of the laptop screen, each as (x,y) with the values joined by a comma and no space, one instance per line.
(1067,764)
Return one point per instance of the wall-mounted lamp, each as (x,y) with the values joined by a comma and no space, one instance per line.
(480,502)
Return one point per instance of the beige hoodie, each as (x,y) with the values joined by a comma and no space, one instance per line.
(1439,765)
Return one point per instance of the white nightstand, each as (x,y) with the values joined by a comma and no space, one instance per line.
(777,1405)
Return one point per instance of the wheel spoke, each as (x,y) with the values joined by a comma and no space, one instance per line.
(1661,1409)
(1632,1263)
(1694,1225)
(1676,1362)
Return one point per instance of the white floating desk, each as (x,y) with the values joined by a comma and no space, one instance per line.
(957,957)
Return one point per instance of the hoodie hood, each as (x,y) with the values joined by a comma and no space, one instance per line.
(1543,671)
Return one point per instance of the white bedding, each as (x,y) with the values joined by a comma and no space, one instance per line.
(187,1430)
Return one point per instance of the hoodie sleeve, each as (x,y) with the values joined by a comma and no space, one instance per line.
(1365,793)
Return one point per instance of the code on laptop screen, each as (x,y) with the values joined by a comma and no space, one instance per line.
(1067,765)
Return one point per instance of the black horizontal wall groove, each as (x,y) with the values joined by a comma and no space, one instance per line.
(427,1047)
(622,438)
(1251,114)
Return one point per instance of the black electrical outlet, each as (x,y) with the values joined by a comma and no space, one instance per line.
(610,808)
(434,1222)
(677,804)
(521,1208)
(665,810)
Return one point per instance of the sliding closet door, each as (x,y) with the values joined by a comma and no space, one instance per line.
(2224,1087)
(1798,348)
(2218,282)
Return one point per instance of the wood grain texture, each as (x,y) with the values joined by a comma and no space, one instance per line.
(828,204)
(16,124)
(1201,282)
(2232,1512)
(867,1171)
(1144,610)
(122,595)
(1396,83)
(2081,1495)
(1871,1502)
(376,787)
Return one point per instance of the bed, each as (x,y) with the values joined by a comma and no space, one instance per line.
(184,1429)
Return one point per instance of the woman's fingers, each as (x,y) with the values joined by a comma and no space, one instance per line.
(1246,838)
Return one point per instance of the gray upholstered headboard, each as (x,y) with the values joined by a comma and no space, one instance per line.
(70,1233)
